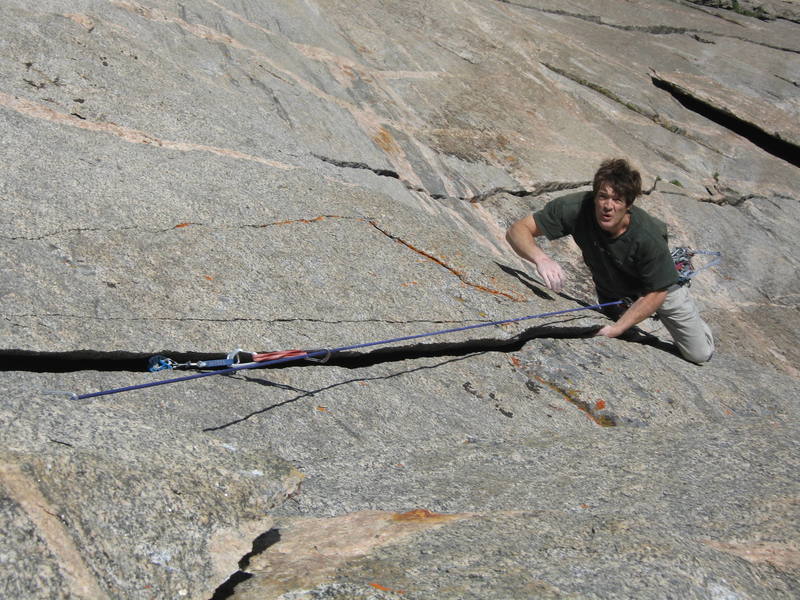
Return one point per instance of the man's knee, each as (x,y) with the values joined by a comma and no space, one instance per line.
(697,356)
(690,333)
(697,349)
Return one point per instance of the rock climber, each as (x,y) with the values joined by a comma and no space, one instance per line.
(626,251)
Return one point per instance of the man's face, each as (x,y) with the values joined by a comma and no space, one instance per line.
(610,210)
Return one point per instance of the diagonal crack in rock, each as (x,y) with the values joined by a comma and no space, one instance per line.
(771,142)
(650,29)
(653,116)
(451,269)
(534,190)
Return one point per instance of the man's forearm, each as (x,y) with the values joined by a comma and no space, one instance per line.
(522,240)
(638,312)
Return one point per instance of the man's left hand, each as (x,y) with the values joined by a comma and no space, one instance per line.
(609,331)
(638,312)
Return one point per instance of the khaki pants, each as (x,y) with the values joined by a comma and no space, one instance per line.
(690,333)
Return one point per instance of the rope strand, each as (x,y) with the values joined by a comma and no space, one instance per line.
(292,355)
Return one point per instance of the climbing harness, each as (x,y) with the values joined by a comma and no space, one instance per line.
(682,257)
(158,363)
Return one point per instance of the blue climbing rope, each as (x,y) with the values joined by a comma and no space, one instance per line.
(327,352)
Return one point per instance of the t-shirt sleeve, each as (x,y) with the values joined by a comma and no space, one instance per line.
(558,216)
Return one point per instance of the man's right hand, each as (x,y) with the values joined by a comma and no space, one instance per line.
(522,237)
(551,272)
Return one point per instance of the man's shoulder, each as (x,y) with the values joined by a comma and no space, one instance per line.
(559,217)
(647,225)
(569,205)
(573,198)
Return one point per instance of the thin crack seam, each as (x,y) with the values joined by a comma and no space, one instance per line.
(408,245)
(651,29)
(95,230)
(248,320)
(536,190)
(312,393)
(182,225)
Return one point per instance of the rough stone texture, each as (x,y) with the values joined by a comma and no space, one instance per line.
(587,525)
(762,9)
(100,502)
(191,178)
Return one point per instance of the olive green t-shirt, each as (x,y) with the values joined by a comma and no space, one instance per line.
(631,265)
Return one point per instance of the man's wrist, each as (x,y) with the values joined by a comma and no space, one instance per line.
(540,258)
(618,329)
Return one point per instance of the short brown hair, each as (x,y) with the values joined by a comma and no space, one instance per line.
(619,174)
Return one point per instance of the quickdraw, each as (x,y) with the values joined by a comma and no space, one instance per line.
(163,363)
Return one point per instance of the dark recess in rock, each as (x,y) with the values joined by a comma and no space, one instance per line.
(769,143)
(261,543)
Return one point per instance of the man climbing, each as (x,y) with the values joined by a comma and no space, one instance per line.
(626,251)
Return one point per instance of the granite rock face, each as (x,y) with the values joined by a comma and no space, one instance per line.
(194,178)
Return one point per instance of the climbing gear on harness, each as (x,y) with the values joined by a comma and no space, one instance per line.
(161,363)
(682,257)
(325,353)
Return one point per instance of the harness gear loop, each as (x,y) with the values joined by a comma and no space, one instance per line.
(682,257)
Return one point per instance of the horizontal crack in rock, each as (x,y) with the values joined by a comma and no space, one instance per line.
(730,199)
(241,319)
(122,361)
(357,165)
(537,190)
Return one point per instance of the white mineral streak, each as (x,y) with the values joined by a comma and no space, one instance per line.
(133,136)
